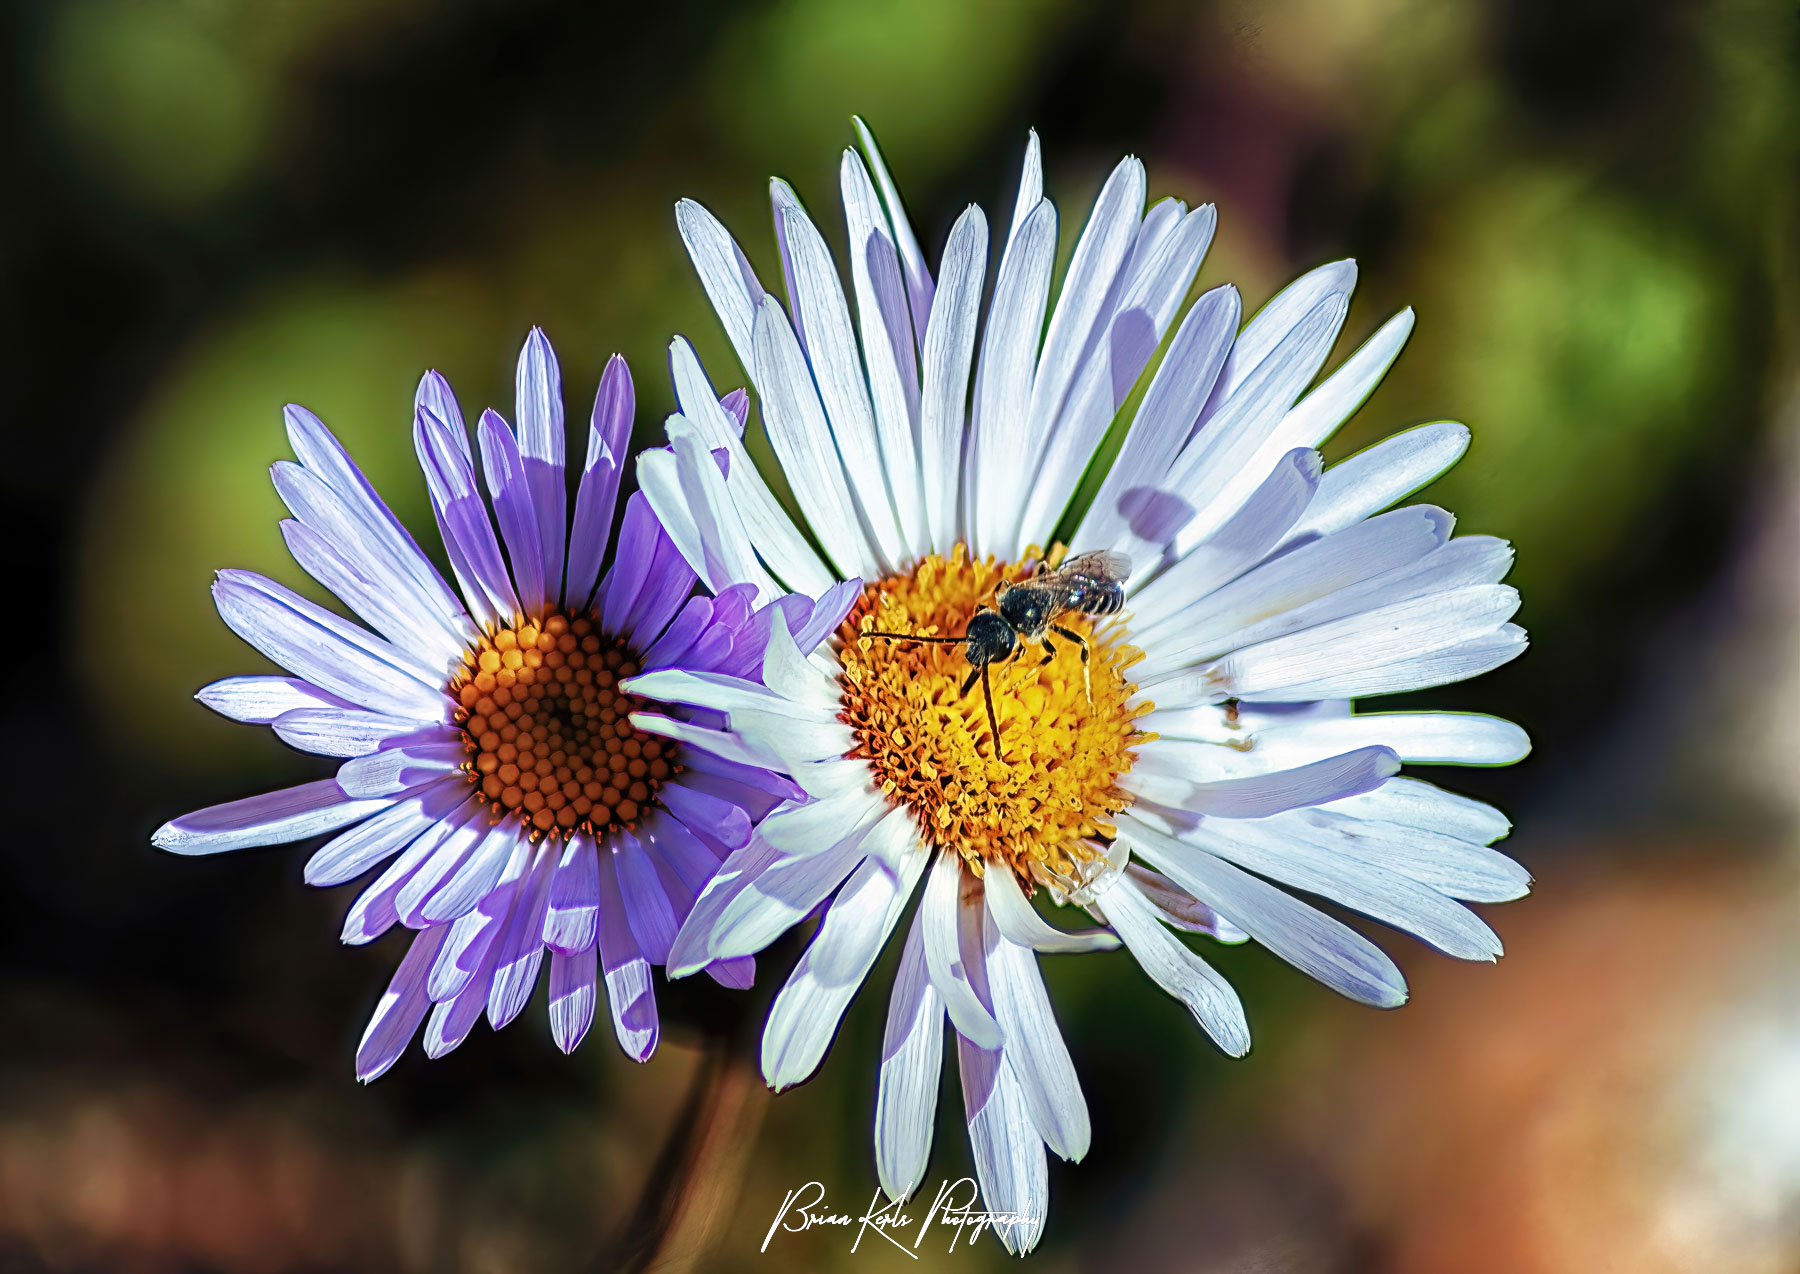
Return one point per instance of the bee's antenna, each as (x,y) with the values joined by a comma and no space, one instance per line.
(940,641)
(987,693)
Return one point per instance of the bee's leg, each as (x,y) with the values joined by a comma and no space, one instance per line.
(987,693)
(1087,684)
(1049,653)
(970,680)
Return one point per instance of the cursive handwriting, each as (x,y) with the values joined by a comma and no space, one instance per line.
(953,1210)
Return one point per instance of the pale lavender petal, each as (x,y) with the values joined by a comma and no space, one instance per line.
(453,1019)
(351,853)
(628,990)
(467,961)
(574,910)
(259,700)
(723,821)
(520,947)
(462,519)
(515,509)
(737,405)
(391,770)
(325,456)
(541,444)
(435,396)
(374,911)
(401,1010)
(647,906)
(342,732)
(609,434)
(290,813)
(476,875)
(573,991)
(326,650)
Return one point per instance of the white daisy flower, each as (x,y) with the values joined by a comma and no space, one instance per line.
(1206,753)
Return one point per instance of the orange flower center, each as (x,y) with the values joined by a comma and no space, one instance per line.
(550,730)
(1043,803)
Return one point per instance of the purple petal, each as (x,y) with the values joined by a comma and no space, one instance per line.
(516,510)
(667,584)
(324,456)
(608,436)
(459,874)
(269,819)
(574,910)
(647,907)
(541,441)
(638,536)
(452,1020)
(435,396)
(573,992)
(466,961)
(664,837)
(401,1010)
(738,973)
(477,873)
(374,911)
(737,406)
(326,650)
(462,520)
(342,732)
(351,853)
(394,770)
(259,700)
(721,820)
(679,637)
(520,948)
(628,990)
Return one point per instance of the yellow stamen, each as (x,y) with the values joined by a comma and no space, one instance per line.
(550,730)
(1044,802)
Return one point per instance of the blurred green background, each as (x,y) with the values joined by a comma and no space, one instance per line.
(214,207)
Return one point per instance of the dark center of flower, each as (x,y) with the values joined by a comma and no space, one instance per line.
(549,729)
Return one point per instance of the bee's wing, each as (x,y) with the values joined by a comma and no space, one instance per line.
(1102,567)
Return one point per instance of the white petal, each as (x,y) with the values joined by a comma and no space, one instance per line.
(1034,1045)
(912,1059)
(1382,894)
(1416,803)
(912,261)
(1302,935)
(801,437)
(1009,1155)
(889,351)
(806,1013)
(949,348)
(773,533)
(993,484)
(724,272)
(939,913)
(1175,969)
(1270,793)
(1381,476)
(1020,923)
(837,371)
(1165,418)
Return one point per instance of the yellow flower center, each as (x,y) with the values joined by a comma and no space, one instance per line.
(550,730)
(1043,802)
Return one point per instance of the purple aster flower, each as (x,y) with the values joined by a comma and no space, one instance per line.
(491,759)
